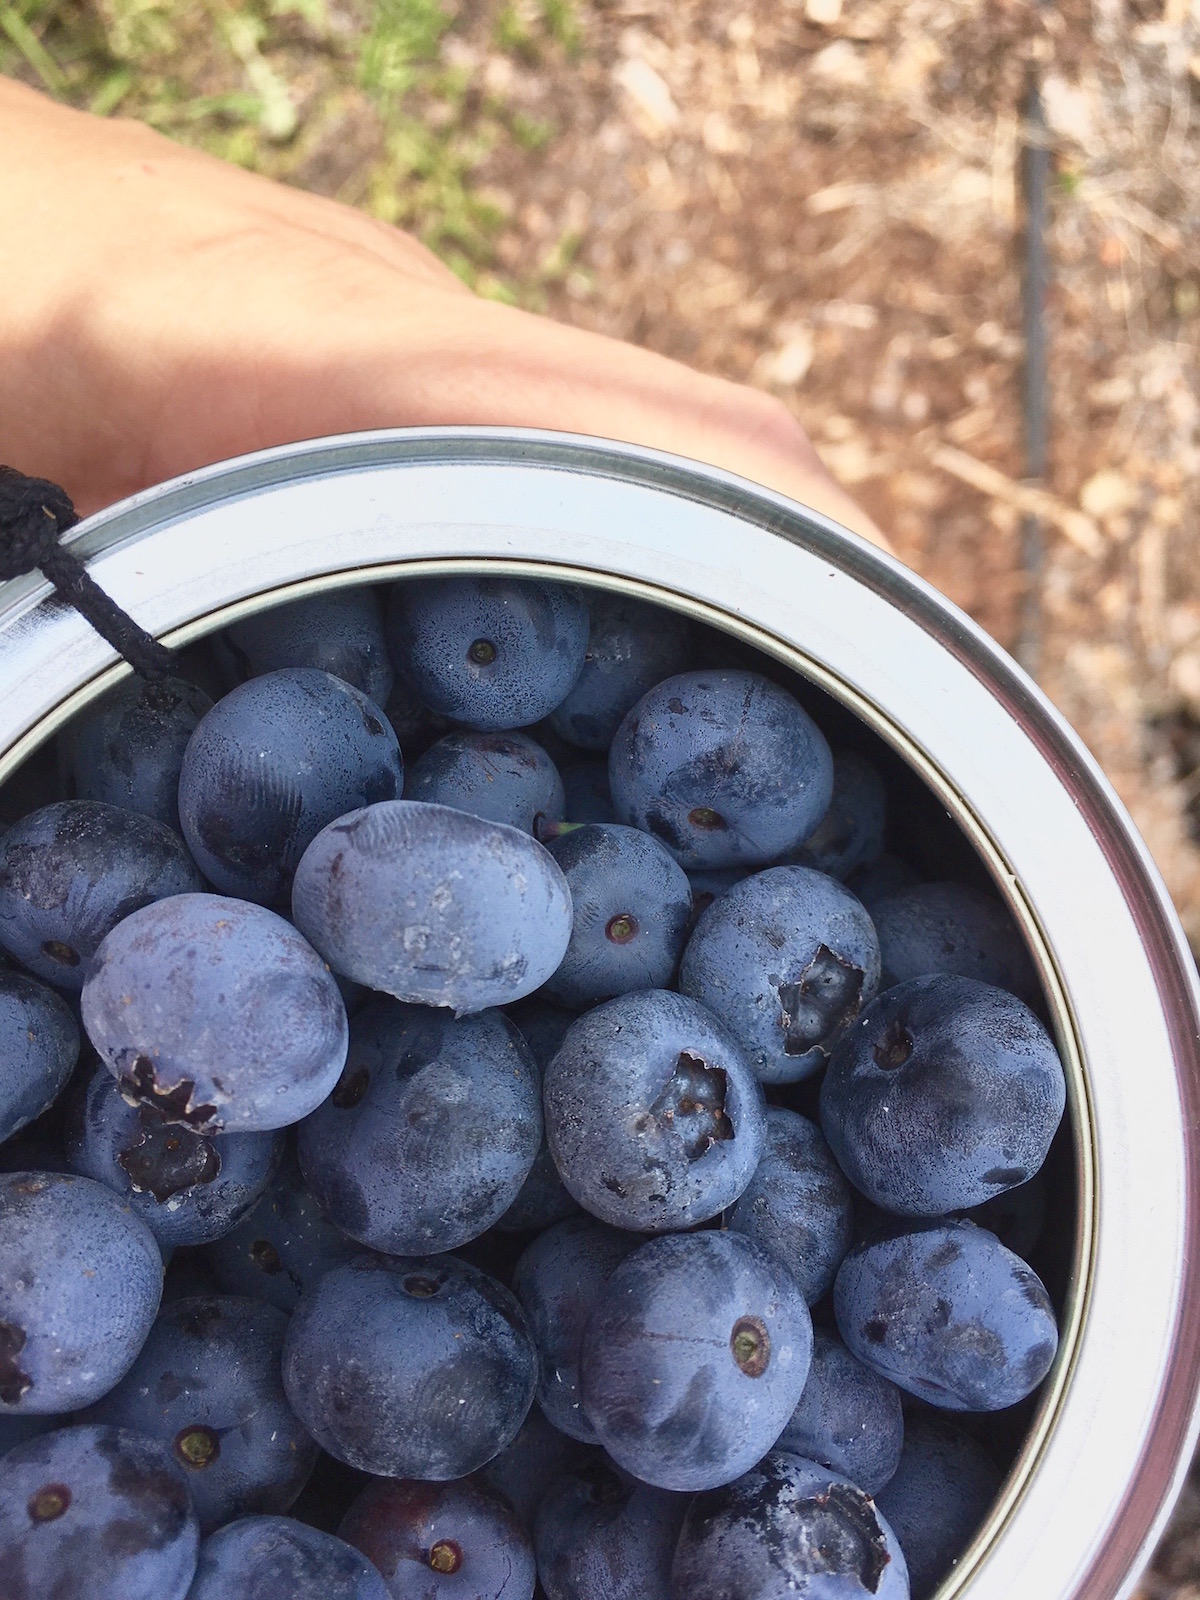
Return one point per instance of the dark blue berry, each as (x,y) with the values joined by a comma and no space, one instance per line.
(850,834)
(433,905)
(217,1013)
(272,764)
(798,1206)
(558,1280)
(502,777)
(277,1558)
(431,1132)
(888,876)
(653,1116)
(849,1418)
(944,1093)
(952,929)
(787,959)
(442,1541)
(527,1468)
(543,1198)
(631,647)
(598,1534)
(207,1385)
(339,632)
(937,1497)
(187,1187)
(949,1314)
(410,1367)
(489,652)
(39,1046)
(95,1513)
(128,750)
(694,1358)
(80,1280)
(70,872)
(726,768)
(789,1527)
(631,904)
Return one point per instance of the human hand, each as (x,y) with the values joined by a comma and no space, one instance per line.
(160,310)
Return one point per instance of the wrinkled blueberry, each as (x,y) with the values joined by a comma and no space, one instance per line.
(187,1187)
(798,1206)
(433,905)
(944,1093)
(937,1497)
(849,1418)
(94,1513)
(80,1280)
(441,1541)
(489,652)
(653,1117)
(410,1367)
(39,1046)
(128,750)
(694,1358)
(598,1534)
(272,764)
(726,768)
(631,904)
(431,1132)
(952,929)
(340,632)
(787,959)
(277,1558)
(207,1385)
(631,647)
(788,1527)
(72,871)
(949,1314)
(217,1013)
(558,1280)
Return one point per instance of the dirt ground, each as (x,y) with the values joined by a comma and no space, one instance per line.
(821,197)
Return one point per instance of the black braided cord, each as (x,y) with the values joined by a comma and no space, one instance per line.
(34,514)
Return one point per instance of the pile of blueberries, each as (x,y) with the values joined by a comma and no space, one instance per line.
(608,1172)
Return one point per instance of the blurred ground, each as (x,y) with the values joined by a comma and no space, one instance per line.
(820,197)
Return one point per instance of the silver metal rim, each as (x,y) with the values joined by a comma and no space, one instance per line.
(1115,1430)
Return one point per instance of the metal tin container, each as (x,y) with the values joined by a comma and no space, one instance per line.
(1114,1431)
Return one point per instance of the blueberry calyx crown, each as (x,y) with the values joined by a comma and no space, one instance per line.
(693,1104)
(163,1160)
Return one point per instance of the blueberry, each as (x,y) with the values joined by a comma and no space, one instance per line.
(952,929)
(631,647)
(70,872)
(441,1541)
(502,777)
(938,1496)
(653,1117)
(187,1187)
(694,1358)
(431,1132)
(127,750)
(788,1527)
(489,652)
(526,1469)
(94,1513)
(850,834)
(880,881)
(726,768)
(786,959)
(944,1093)
(415,724)
(39,1045)
(798,1207)
(207,1385)
(340,632)
(849,1418)
(277,1558)
(217,1013)
(558,1281)
(281,1245)
(80,1280)
(949,1314)
(433,905)
(586,795)
(631,904)
(272,764)
(410,1367)
(598,1534)
(543,1198)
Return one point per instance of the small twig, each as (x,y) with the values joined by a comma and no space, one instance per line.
(1026,498)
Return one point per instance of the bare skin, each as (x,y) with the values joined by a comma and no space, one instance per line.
(160,310)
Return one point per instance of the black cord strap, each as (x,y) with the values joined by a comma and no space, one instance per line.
(34,514)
